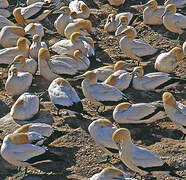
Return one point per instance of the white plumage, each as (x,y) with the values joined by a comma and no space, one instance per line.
(178,3)
(5,22)
(26,107)
(4,4)
(126,113)
(34,28)
(184,48)
(116,2)
(4,12)
(101,131)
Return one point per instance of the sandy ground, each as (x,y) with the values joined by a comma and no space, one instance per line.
(72,140)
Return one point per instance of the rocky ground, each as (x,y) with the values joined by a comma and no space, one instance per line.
(72,140)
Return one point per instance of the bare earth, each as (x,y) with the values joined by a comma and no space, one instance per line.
(72,140)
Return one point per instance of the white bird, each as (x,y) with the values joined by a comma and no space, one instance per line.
(34,28)
(100,92)
(126,113)
(10,34)
(36,46)
(76,42)
(4,4)
(45,130)
(64,96)
(116,2)
(113,21)
(120,79)
(51,68)
(173,21)
(33,13)
(157,81)
(5,12)
(101,131)
(139,159)
(20,150)
(135,48)
(7,55)
(111,173)
(81,26)
(23,64)
(184,48)
(167,62)
(178,3)
(79,9)
(28,2)
(5,22)
(26,107)
(175,110)
(18,82)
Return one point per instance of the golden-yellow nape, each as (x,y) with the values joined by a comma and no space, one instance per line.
(36,37)
(121,134)
(105,122)
(119,65)
(19,138)
(112,171)
(85,24)
(171,8)
(123,106)
(124,20)
(129,32)
(111,80)
(178,53)
(66,9)
(18,17)
(19,103)
(90,74)
(20,58)
(18,30)
(78,55)
(23,129)
(22,43)
(62,82)
(153,4)
(13,71)
(44,54)
(169,99)
(75,36)
(138,71)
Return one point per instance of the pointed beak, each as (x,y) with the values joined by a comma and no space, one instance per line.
(80,77)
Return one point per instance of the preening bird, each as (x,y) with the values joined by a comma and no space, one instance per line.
(64,96)
(101,131)
(175,110)
(157,81)
(167,62)
(126,113)
(79,9)
(20,150)
(34,28)
(139,159)
(18,82)
(26,107)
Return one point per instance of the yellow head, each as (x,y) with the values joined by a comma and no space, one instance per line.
(178,53)
(20,60)
(129,32)
(44,54)
(78,55)
(66,9)
(84,8)
(37,38)
(19,138)
(111,17)
(152,3)
(18,30)
(123,20)
(112,172)
(121,135)
(13,71)
(123,106)
(138,71)
(22,45)
(169,99)
(119,65)
(85,24)
(111,80)
(171,8)
(104,123)
(18,17)
(19,103)
(23,129)
(62,82)
(75,36)
(91,41)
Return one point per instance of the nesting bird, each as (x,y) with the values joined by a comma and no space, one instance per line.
(18,82)
(3,11)
(20,150)
(79,9)
(116,2)
(157,81)
(5,22)
(135,48)
(178,3)
(4,4)
(113,21)
(23,64)
(34,28)
(100,92)
(137,158)
(33,13)
(101,131)
(10,34)
(26,107)
(64,96)
(173,21)
(175,110)
(167,62)
(81,26)
(126,113)
(36,46)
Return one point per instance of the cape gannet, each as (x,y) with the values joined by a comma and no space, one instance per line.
(178,3)
(79,9)
(18,82)
(34,28)
(167,62)
(126,113)
(5,22)
(4,4)
(175,110)
(26,107)
(101,131)
(64,96)
(139,159)
(157,81)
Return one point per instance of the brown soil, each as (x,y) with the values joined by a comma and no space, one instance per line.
(81,154)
